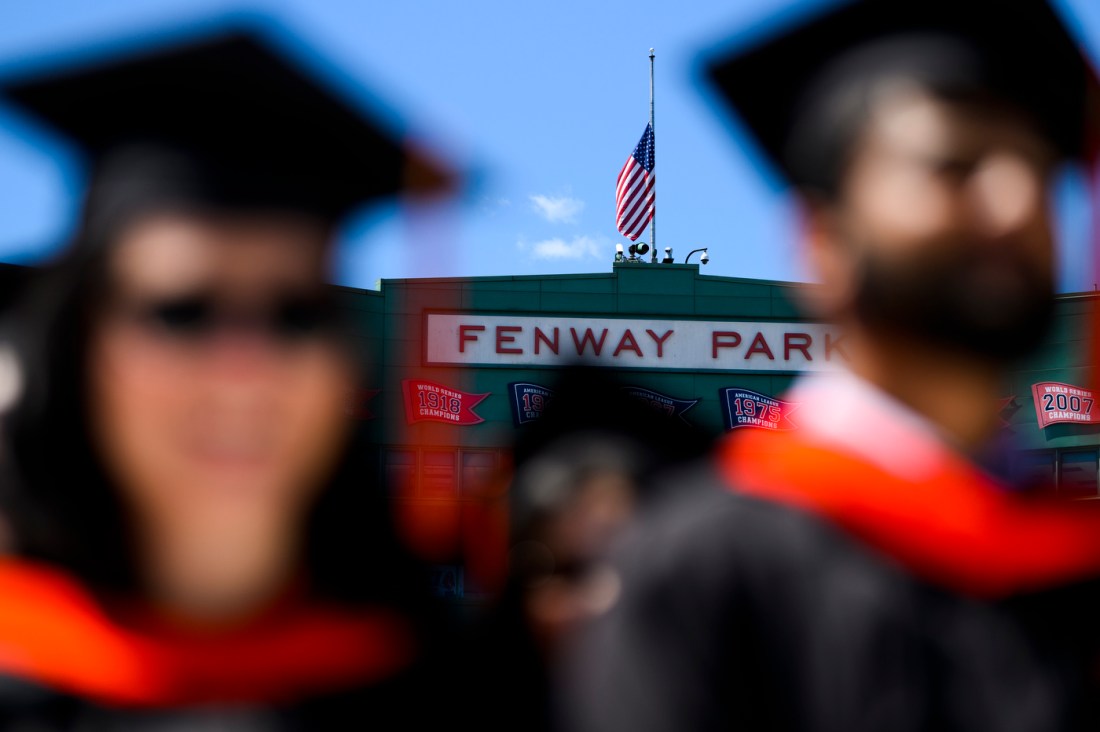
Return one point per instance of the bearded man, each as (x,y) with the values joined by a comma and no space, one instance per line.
(862,571)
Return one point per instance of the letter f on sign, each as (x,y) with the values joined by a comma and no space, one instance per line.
(464,335)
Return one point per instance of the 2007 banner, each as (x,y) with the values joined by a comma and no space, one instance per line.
(745,408)
(426,401)
(1057,402)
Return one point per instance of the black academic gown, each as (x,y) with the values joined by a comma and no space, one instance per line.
(742,614)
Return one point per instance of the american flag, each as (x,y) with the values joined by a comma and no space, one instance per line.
(634,189)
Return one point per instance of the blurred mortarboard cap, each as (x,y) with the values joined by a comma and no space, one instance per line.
(226,116)
(1019,51)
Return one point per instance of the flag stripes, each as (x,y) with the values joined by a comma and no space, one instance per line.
(634,193)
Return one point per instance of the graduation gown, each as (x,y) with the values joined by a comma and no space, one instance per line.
(67,662)
(853,574)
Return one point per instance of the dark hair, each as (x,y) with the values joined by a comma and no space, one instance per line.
(834,111)
(54,490)
(592,426)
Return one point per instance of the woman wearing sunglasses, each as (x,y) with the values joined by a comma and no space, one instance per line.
(196,538)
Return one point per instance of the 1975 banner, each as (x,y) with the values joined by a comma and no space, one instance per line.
(697,345)
(745,408)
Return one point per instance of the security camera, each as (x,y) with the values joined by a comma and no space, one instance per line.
(704,258)
(668,256)
(618,248)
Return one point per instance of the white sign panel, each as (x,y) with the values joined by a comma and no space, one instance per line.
(696,345)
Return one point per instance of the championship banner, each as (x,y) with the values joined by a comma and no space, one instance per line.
(528,401)
(662,403)
(1056,402)
(426,401)
(744,408)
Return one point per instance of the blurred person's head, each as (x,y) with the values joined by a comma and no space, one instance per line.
(922,144)
(183,429)
(570,502)
(583,471)
(217,379)
(929,218)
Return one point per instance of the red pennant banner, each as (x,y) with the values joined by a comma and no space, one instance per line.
(1006,407)
(1056,402)
(426,401)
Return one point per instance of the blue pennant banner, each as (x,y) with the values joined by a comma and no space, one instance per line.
(661,402)
(528,401)
(744,408)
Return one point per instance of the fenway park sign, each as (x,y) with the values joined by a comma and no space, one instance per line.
(697,345)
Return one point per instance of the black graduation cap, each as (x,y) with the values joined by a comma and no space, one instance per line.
(1016,50)
(223,118)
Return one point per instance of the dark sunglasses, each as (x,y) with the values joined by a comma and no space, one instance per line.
(287,318)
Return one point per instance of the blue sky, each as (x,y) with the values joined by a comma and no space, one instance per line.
(542,102)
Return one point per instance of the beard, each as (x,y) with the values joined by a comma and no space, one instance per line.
(991,304)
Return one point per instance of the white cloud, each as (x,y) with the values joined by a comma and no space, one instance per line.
(557,209)
(579,247)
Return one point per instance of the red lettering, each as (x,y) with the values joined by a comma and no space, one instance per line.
(627,343)
(759,345)
(541,338)
(659,341)
(837,345)
(723,339)
(502,338)
(464,337)
(802,344)
(589,337)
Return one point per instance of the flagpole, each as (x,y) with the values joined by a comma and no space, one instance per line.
(653,220)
